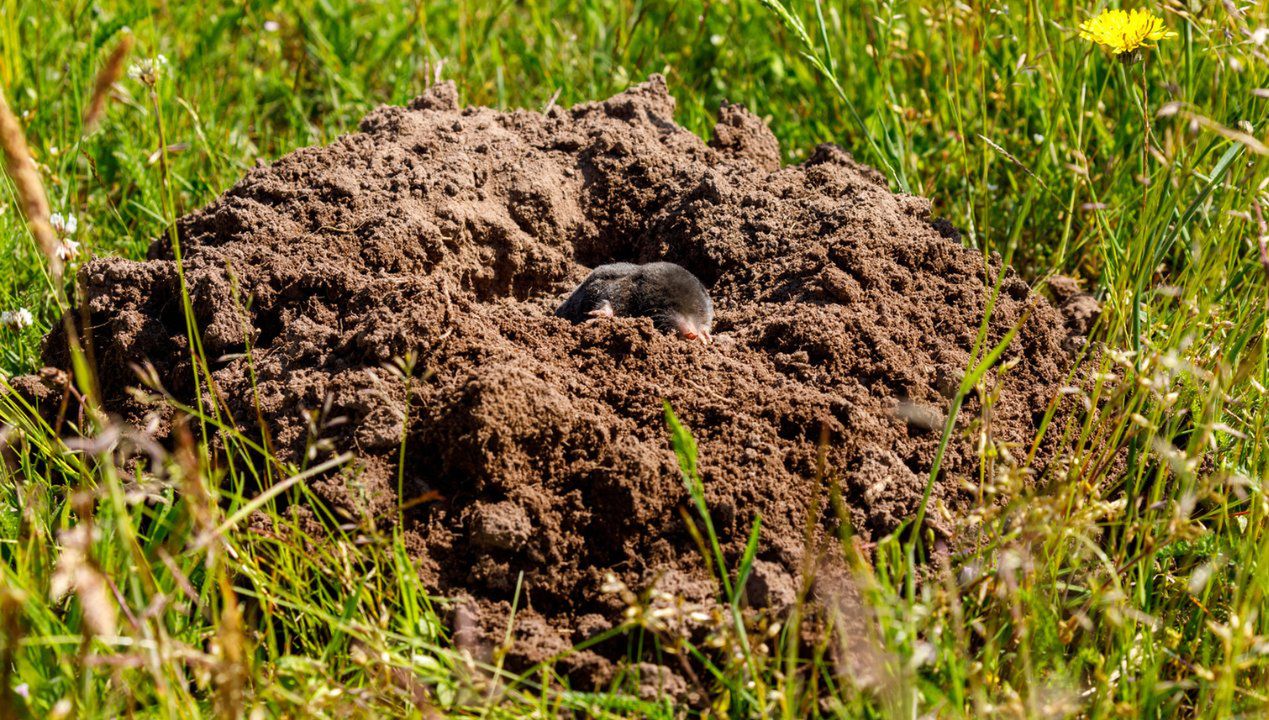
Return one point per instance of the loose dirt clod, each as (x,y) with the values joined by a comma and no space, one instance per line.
(843,312)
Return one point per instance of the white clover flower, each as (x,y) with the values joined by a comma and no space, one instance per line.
(271,26)
(148,70)
(19,319)
(68,249)
(63,225)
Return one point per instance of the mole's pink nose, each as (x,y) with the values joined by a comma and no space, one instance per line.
(689,332)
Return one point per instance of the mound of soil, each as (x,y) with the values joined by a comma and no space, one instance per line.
(450,235)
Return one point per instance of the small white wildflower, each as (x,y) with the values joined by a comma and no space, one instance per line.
(147,70)
(1260,35)
(63,225)
(68,249)
(17,319)
(716,40)
(24,690)
(271,26)
(1038,139)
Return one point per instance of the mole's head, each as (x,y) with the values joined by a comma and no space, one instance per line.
(674,299)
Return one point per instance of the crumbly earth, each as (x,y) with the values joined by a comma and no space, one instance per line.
(448,234)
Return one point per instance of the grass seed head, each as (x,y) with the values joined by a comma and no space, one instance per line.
(26,178)
(109,75)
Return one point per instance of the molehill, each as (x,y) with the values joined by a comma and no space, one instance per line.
(450,235)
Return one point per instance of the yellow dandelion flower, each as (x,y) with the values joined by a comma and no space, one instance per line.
(1124,33)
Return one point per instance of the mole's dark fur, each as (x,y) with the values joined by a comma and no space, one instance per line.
(668,293)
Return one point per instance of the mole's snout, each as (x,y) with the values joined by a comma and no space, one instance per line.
(689,330)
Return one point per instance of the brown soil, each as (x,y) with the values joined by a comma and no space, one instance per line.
(453,233)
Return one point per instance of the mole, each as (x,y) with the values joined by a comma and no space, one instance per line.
(669,294)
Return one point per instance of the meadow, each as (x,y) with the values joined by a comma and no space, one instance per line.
(1135,582)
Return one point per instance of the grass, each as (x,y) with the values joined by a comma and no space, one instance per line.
(1130,582)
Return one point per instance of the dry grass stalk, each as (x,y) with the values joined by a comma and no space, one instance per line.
(231,670)
(26,178)
(79,574)
(109,75)
(12,601)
